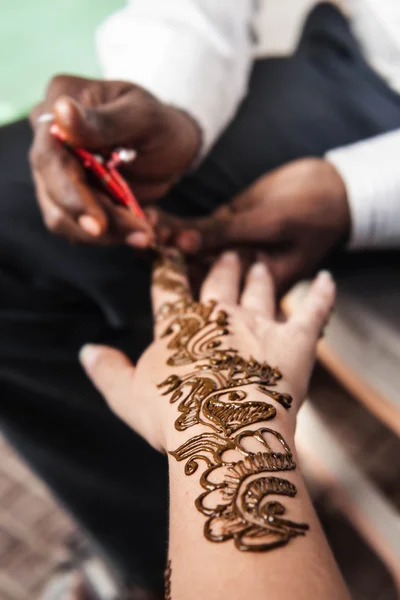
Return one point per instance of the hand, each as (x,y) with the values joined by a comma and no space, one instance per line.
(101,115)
(186,337)
(297,214)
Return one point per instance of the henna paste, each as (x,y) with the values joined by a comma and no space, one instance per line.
(169,273)
(241,488)
(237,493)
(167,581)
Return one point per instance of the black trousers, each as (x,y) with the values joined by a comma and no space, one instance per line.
(54,296)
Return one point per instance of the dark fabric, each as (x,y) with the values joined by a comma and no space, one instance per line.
(54,296)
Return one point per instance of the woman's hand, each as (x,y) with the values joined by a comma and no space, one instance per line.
(206,392)
(208,360)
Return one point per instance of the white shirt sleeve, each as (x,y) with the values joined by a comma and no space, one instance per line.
(371,172)
(194,54)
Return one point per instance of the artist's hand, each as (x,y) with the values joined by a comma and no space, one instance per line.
(251,329)
(297,214)
(101,115)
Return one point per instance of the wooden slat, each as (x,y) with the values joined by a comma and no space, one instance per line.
(369,512)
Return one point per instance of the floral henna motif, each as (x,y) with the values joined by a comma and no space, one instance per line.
(237,481)
(238,488)
(213,395)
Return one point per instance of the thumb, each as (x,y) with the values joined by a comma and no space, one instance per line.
(113,375)
(75,122)
(128,117)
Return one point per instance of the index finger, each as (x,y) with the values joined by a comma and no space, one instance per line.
(170,287)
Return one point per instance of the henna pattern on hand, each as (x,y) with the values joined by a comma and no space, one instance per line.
(168,272)
(167,581)
(237,480)
(213,395)
(195,332)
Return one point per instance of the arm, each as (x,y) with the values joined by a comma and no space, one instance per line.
(370,172)
(301,568)
(241,521)
(307,209)
(193,54)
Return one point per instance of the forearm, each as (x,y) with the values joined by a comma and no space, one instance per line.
(300,565)
(242,524)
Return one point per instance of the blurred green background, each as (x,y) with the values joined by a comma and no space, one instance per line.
(39,38)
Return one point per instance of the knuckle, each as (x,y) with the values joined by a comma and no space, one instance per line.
(299,329)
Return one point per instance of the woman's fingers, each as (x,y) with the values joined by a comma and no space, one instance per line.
(170,282)
(223,281)
(258,295)
(312,314)
(112,373)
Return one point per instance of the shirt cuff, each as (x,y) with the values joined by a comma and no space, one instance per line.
(371,173)
(179,66)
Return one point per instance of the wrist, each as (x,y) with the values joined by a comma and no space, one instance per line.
(179,446)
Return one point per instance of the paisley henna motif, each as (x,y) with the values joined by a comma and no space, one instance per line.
(213,395)
(241,488)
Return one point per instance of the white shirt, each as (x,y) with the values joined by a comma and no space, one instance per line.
(197,55)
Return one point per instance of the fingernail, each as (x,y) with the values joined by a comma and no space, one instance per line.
(259,269)
(138,239)
(88,354)
(324,277)
(90,225)
(229,256)
(62,105)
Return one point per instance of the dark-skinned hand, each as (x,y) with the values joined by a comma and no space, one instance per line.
(297,214)
(101,115)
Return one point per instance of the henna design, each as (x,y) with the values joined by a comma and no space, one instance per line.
(170,284)
(196,338)
(238,464)
(195,333)
(212,395)
(167,581)
(169,273)
(216,446)
(237,488)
